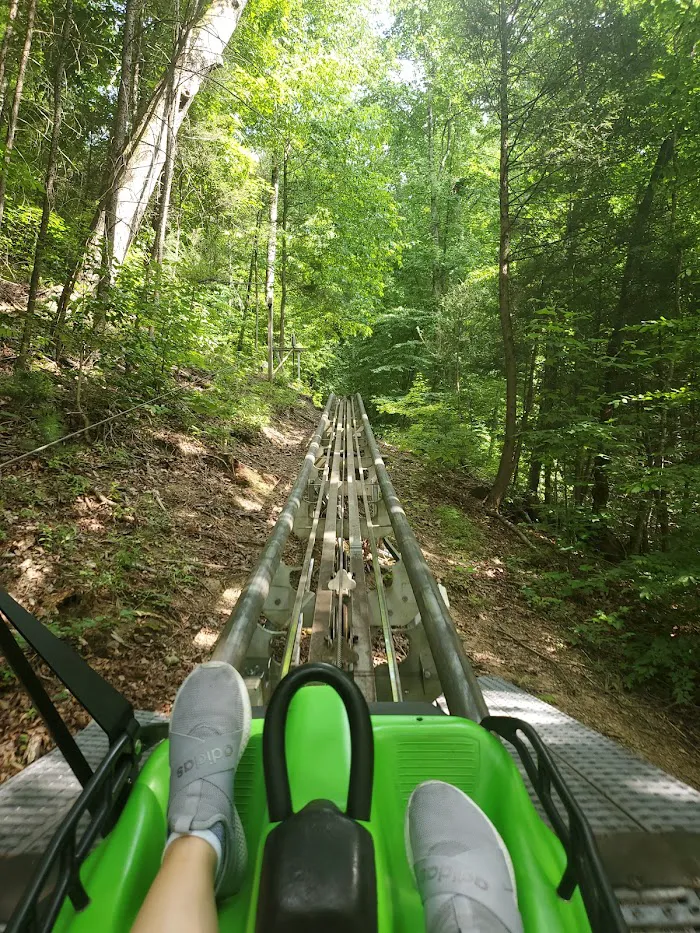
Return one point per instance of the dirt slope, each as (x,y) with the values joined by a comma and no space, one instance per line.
(137,552)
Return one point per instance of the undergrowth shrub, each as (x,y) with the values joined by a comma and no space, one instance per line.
(458,530)
(236,405)
(33,400)
(435,425)
(643,614)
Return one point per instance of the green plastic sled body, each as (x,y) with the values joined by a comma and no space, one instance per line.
(409,749)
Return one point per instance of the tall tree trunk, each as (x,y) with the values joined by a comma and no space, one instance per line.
(661,494)
(636,251)
(270,269)
(507,462)
(5,48)
(434,213)
(249,286)
(16,101)
(638,537)
(548,483)
(283,262)
(666,378)
(141,165)
(49,188)
(545,392)
(120,130)
(446,164)
(534,473)
(257,303)
(494,423)
(528,394)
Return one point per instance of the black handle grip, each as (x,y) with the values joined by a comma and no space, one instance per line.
(279,798)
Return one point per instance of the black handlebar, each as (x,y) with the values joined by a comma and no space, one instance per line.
(279,798)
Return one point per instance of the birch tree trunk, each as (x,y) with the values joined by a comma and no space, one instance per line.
(270,269)
(507,462)
(49,188)
(120,131)
(283,263)
(199,53)
(16,101)
(5,48)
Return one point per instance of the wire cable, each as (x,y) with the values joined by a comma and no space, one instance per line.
(97,424)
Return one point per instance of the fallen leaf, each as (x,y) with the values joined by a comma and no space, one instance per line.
(33,748)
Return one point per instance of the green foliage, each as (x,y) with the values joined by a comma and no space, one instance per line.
(458,530)
(34,401)
(57,539)
(75,628)
(436,425)
(236,407)
(18,234)
(28,389)
(645,616)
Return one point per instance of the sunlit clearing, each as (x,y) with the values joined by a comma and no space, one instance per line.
(272,434)
(205,638)
(228,599)
(188,448)
(249,505)
(90,524)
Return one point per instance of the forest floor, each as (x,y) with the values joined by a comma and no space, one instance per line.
(136,549)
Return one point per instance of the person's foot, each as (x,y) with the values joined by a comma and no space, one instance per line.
(461,865)
(209,730)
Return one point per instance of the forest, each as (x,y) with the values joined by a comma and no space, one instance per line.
(483,215)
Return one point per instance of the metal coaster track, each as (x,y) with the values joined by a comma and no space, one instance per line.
(363,580)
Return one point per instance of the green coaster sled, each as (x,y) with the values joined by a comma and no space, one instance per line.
(369,759)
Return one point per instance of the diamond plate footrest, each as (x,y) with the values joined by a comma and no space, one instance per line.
(33,802)
(647,822)
(661,909)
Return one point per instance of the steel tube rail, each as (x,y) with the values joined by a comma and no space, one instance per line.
(234,641)
(392,662)
(460,686)
(296,624)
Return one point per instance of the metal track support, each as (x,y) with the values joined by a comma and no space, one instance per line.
(460,686)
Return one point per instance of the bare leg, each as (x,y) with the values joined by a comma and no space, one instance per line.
(182,896)
(206,854)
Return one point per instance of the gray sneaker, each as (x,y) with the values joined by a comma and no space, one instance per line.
(461,865)
(209,730)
